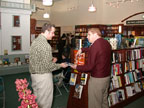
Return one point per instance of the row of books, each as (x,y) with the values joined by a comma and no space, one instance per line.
(119,95)
(135,88)
(116,82)
(130,77)
(117,57)
(134,76)
(116,69)
(134,54)
(116,97)
(132,65)
(129,66)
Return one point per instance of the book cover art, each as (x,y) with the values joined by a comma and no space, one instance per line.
(79,60)
(27,59)
(73,79)
(78,91)
(6,61)
(16,59)
(83,78)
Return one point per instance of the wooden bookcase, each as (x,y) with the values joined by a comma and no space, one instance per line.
(32,26)
(119,92)
(111,30)
(106,30)
(136,30)
(127,77)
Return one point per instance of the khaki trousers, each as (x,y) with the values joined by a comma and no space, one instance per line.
(98,92)
(42,85)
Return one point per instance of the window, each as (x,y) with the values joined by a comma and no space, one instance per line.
(16,43)
(16,21)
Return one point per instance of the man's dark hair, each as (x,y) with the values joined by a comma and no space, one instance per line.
(47,26)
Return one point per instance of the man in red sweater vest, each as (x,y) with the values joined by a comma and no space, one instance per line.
(99,66)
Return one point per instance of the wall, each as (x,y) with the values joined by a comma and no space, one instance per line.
(67,29)
(18,1)
(8,30)
(39,23)
(0,41)
(115,15)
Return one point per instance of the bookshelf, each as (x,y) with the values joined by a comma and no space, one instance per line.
(55,39)
(127,79)
(111,30)
(136,30)
(32,26)
(106,30)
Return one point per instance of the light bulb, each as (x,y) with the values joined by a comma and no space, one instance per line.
(46,15)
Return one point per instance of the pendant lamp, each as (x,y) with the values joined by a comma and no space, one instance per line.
(92,8)
(46,15)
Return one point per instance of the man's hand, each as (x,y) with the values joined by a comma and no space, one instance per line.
(79,52)
(73,66)
(64,65)
(54,59)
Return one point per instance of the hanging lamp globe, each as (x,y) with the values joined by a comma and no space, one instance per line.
(92,8)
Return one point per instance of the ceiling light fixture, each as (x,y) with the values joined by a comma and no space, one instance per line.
(143,16)
(46,15)
(92,8)
(47,2)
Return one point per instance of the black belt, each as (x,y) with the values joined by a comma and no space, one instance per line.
(33,73)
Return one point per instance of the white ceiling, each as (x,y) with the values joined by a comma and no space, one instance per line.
(41,0)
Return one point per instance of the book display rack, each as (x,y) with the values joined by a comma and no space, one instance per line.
(127,79)
(78,96)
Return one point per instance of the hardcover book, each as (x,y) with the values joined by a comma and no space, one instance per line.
(78,91)
(83,78)
(73,79)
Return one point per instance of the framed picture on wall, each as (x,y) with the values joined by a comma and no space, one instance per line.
(16,21)
(16,43)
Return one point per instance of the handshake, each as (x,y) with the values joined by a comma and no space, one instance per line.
(72,65)
(66,64)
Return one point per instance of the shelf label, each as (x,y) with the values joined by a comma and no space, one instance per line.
(135,22)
